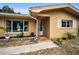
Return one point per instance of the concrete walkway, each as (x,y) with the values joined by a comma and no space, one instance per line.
(27,48)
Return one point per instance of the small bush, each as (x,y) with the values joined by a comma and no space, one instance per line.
(2,43)
(63,38)
(20,35)
(58,41)
(68,35)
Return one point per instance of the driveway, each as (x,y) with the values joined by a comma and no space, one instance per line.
(27,48)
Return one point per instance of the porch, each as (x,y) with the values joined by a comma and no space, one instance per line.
(43,27)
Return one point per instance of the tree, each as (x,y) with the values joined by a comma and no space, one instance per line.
(18,13)
(7,9)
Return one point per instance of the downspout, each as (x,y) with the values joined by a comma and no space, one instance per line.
(37,26)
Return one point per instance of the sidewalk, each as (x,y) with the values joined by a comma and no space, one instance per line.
(27,48)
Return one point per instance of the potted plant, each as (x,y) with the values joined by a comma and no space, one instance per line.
(32,34)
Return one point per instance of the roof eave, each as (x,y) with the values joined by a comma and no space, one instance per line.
(66,6)
(53,7)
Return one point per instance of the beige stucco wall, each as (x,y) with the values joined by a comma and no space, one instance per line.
(2,27)
(57,16)
(55,31)
(47,27)
(31,26)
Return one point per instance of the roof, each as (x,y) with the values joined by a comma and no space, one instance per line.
(68,7)
(41,8)
(16,15)
(11,14)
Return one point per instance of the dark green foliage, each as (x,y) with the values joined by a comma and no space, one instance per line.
(69,35)
(58,41)
(7,9)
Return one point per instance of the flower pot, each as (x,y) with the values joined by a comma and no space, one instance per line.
(7,37)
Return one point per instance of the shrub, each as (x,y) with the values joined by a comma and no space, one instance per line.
(64,38)
(68,35)
(20,35)
(58,41)
(2,43)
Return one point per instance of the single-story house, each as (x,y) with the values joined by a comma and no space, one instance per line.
(52,21)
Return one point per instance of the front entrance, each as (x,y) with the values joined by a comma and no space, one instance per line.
(41,27)
(44,28)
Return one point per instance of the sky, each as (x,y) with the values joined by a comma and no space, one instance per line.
(23,8)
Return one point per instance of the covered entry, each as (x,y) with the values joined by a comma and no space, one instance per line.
(43,26)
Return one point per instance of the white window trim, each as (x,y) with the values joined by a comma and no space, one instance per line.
(12,26)
(59,24)
(25,26)
(67,24)
(74,23)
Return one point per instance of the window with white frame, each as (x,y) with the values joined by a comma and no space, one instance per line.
(26,26)
(8,26)
(16,26)
(41,26)
(67,23)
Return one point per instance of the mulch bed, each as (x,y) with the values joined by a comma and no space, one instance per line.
(16,42)
(64,49)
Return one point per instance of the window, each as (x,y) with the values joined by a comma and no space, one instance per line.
(26,26)
(41,26)
(67,23)
(16,26)
(8,26)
